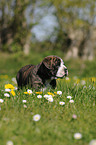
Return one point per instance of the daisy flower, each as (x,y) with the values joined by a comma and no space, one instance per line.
(46,96)
(77,135)
(7,90)
(74,116)
(6,95)
(59,92)
(62,103)
(36,117)
(24,101)
(1,101)
(92,142)
(67,79)
(49,96)
(71,101)
(15,88)
(50,99)
(83,82)
(29,91)
(69,97)
(9,143)
(39,96)
(25,106)
(14,80)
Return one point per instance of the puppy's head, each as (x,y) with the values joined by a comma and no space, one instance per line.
(53,66)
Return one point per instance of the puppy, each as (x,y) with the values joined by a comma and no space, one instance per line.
(43,74)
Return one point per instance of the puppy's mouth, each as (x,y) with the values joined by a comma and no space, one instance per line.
(65,74)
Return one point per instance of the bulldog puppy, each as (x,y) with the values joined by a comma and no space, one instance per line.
(43,74)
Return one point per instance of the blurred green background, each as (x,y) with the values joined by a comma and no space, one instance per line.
(32,30)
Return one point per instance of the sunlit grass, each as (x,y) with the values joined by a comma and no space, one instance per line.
(58,117)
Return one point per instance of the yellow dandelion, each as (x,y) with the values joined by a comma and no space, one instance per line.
(9,86)
(93,79)
(49,93)
(38,93)
(13,93)
(25,92)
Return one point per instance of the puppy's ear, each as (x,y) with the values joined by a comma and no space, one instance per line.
(48,62)
(43,70)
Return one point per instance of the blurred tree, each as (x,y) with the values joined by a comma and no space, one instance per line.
(76,22)
(14,30)
(76,19)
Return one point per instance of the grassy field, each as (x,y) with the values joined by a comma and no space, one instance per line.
(58,121)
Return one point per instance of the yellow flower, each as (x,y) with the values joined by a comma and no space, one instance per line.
(55,93)
(38,92)
(49,93)
(25,92)
(9,86)
(13,93)
(93,79)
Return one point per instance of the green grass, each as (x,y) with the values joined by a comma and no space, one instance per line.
(56,125)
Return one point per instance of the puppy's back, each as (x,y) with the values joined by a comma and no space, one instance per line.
(22,75)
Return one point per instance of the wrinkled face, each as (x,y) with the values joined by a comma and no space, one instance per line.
(62,70)
(56,66)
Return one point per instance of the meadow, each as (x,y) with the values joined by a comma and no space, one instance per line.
(65,116)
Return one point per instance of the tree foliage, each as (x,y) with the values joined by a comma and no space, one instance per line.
(14,30)
(75,18)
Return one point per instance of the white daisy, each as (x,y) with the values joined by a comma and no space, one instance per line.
(24,101)
(25,106)
(74,116)
(14,80)
(36,117)
(9,143)
(49,96)
(92,142)
(46,96)
(83,82)
(1,100)
(6,95)
(7,90)
(62,103)
(67,78)
(50,99)
(77,135)
(39,96)
(15,88)
(59,92)
(69,97)
(71,101)
(29,91)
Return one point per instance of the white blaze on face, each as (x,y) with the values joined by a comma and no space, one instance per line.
(61,72)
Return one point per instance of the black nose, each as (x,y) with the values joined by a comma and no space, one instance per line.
(66,71)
